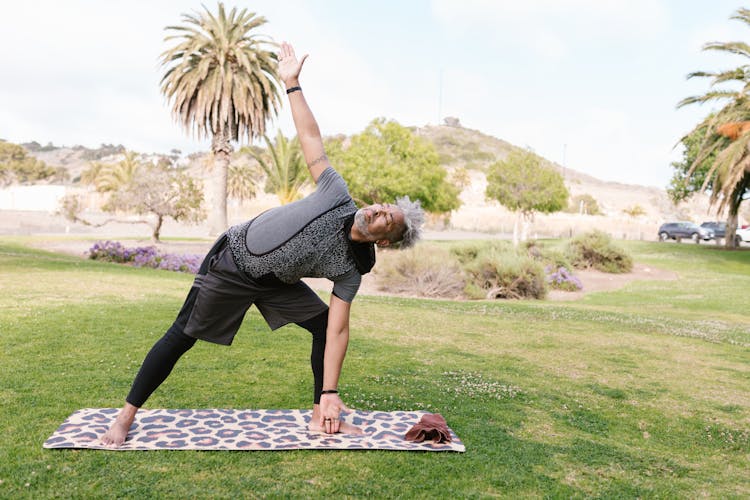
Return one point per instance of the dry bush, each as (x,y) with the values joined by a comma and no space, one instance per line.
(425,271)
(549,257)
(506,275)
(467,252)
(595,249)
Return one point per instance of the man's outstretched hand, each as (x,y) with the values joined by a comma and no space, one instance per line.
(289,66)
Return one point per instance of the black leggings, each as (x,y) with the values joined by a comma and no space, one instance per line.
(166,351)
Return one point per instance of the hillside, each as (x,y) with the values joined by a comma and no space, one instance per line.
(474,151)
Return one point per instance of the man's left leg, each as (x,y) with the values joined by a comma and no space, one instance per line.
(317,327)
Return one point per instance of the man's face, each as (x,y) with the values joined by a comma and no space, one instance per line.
(380,222)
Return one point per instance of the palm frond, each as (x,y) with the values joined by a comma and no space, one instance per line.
(286,172)
(735,74)
(700,74)
(742,14)
(739,48)
(712,95)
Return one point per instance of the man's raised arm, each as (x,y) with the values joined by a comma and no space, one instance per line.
(307,128)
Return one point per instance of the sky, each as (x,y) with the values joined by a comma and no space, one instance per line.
(589,84)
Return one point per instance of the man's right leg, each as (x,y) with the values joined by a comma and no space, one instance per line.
(155,369)
(161,358)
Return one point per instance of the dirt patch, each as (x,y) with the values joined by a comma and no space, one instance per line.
(597,281)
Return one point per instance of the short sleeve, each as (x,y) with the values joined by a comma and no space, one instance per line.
(346,286)
(332,186)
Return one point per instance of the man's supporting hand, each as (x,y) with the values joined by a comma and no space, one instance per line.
(331,408)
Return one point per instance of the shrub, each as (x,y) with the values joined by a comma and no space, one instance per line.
(548,257)
(426,271)
(114,251)
(109,251)
(634,211)
(562,279)
(596,250)
(468,252)
(506,275)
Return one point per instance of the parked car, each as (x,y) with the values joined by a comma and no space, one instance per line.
(680,230)
(742,235)
(719,228)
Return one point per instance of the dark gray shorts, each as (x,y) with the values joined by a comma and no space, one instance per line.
(225,294)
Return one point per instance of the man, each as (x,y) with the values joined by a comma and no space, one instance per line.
(261,262)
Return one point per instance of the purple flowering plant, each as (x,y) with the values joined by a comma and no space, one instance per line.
(561,278)
(150,256)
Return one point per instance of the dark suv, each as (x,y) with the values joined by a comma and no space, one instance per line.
(719,228)
(680,230)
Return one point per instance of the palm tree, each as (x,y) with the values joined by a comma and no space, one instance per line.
(727,175)
(285,168)
(221,80)
(107,177)
(241,182)
(112,177)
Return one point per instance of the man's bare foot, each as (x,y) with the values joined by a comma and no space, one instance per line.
(344,428)
(118,431)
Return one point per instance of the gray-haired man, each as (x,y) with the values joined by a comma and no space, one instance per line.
(262,261)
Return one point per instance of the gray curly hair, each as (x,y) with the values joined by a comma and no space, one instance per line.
(413,220)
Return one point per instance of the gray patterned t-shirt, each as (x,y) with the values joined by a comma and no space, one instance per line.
(305,238)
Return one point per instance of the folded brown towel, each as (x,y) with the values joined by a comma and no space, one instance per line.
(431,426)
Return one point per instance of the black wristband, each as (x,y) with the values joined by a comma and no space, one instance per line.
(330,391)
(293,89)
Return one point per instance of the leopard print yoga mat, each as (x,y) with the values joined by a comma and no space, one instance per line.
(242,430)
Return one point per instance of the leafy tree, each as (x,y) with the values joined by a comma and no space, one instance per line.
(154,191)
(583,204)
(690,176)
(161,193)
(724,166)
(388,161)
(220,77)
(16,166)
(285,168)
(522,184)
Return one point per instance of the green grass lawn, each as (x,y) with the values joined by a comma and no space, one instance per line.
(640,392)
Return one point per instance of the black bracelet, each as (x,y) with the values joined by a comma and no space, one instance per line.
(329,391)
(293,89)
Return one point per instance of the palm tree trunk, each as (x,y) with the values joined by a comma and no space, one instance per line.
(734,209)
(221,147)
(731,230)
